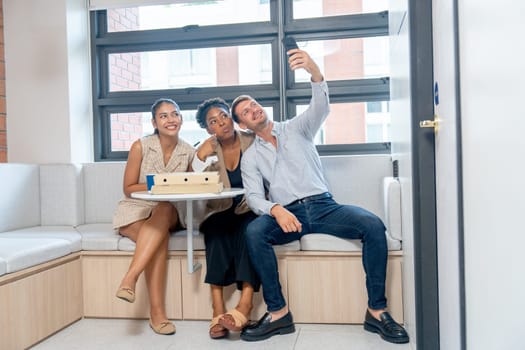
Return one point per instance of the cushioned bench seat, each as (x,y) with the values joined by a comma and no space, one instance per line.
(67,233)
(76,203)
(294,246)
(324,242)
(20,253)
(178,242)
(98,237)
(54,210)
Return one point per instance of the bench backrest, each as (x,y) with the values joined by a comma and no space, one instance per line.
(70,194)
(61,195)
(358,179)
(102,190)
(20,196)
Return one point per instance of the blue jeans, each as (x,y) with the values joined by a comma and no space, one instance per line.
(320,216)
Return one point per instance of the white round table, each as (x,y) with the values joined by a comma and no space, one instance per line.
(188,198)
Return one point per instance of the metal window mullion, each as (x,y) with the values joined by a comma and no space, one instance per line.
(351,90)
(187,94)
(180,35)
(282,64)
(360,148)
(370,22)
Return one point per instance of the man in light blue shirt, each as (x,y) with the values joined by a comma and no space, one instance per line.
(283,162)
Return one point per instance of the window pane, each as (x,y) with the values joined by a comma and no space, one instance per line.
(327,8)
(128,127)
(177,69)
(354,123)
(125,128)
(344,59)
(190,12)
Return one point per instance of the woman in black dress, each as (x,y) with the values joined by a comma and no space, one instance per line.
(227,259)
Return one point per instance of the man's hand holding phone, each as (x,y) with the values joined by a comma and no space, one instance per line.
(289,44)
(301,59)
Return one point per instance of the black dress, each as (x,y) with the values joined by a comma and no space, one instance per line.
(227,258)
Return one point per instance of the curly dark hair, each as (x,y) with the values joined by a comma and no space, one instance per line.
(205,106)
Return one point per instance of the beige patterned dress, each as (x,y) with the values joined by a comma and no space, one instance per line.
(130,210)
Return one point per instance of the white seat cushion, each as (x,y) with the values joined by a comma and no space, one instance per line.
(99,237)
(326,242)
(293,246)
(177,242)
(21,253)
(3,266)
(67,233)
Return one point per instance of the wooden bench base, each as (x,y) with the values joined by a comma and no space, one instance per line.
(39,301)
(321,287)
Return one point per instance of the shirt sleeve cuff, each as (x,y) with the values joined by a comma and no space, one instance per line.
(321,85)
(199,165)
(268,208)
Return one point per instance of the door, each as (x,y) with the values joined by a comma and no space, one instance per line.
(448,175)
(411,100)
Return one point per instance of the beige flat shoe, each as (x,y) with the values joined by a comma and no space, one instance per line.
(164,328)
(126,293)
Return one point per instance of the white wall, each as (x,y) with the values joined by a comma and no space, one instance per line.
(492,48)
(48,89)
(400,109)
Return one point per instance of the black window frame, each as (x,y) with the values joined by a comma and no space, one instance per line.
(283,94)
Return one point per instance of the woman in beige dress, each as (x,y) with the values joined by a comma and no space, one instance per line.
(149,223)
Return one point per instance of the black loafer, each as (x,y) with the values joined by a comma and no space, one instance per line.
(387,328)
(265,328)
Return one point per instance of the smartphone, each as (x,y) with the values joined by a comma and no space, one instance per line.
(289,43)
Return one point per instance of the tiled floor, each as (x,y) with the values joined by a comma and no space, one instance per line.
(118,334)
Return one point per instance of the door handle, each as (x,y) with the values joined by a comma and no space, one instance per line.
(430,123)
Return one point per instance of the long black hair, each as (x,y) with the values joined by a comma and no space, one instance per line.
(155,106)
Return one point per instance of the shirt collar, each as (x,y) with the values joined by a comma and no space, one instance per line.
(276,131)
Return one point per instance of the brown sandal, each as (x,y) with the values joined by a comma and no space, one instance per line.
(233,320)
(219,332)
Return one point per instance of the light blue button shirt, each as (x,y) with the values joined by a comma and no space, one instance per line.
(293,170)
